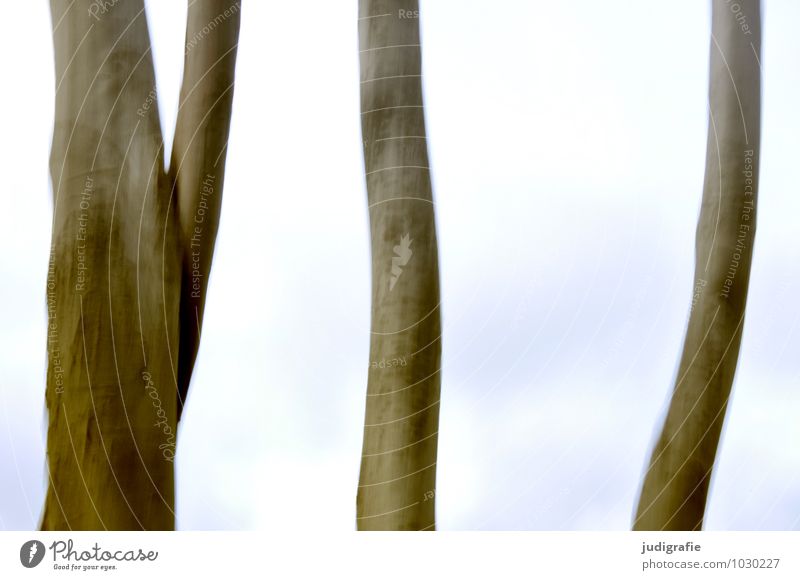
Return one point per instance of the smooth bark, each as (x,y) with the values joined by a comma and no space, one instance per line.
(676,484)
(115,275)
(198,159)
(398,467)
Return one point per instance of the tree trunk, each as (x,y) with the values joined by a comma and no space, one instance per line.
(398,467)
(115,277)
(675,487)
(198,159)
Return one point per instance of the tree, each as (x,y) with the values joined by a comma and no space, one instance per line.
(676,484)
(398,466)
(130,255)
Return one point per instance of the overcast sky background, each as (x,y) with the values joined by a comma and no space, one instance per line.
(567,142)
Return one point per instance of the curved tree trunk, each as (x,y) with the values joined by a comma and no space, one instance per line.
(398,467)
(115,276)
(676,484)
(198,159)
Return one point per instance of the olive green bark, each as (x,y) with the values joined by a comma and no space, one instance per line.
(115,276)
(198,159)
(398,466)
(676,484)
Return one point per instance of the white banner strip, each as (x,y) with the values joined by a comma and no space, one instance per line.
(441,555)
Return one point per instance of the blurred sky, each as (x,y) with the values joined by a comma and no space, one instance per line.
(568,146)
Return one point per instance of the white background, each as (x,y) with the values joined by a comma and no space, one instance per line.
(359,555)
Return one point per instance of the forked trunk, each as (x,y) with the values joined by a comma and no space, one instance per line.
(117,267)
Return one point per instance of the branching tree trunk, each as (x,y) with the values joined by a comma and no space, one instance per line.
(119,251)
(676,484)
(198,158)
(398,467)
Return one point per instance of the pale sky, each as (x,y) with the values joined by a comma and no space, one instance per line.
(567,143)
